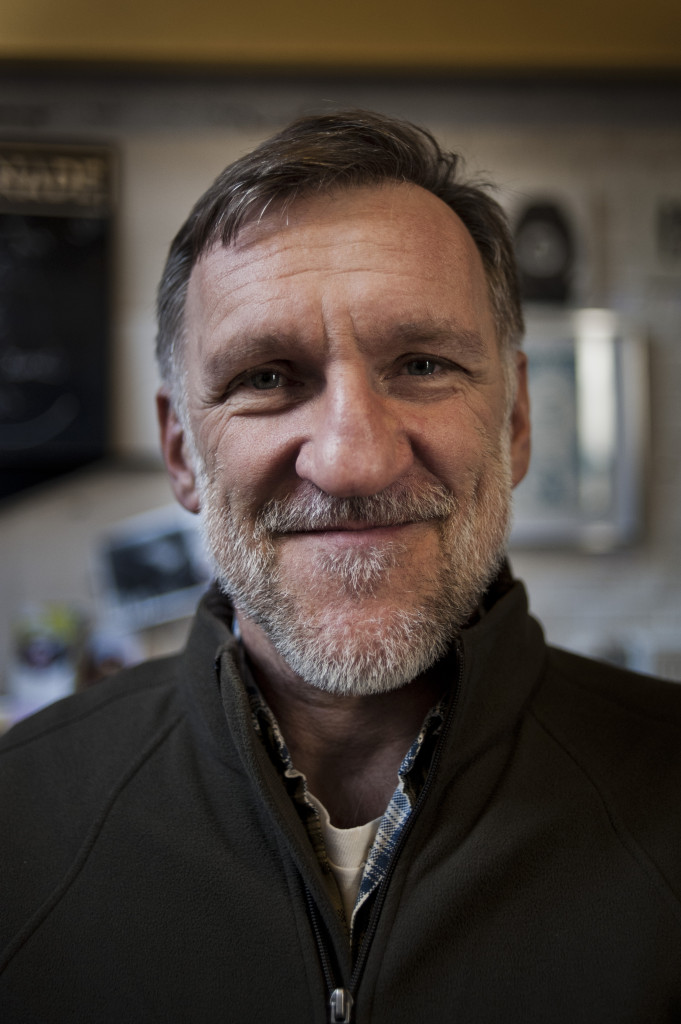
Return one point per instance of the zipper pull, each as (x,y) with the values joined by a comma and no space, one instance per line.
(341,1006)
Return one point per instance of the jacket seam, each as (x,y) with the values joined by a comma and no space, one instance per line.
(636,712)
(43,912)
(81,716)
(622,832)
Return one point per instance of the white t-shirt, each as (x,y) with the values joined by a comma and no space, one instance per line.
(347,850)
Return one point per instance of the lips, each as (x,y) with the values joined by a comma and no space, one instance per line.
(355,535)
(354,527)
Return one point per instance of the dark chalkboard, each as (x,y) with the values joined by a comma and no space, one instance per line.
(55,258)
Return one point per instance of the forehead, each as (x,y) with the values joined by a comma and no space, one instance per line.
(393,250)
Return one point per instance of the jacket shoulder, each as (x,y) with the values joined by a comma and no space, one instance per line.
(63,767)
(147,686)
(626,699)
(622,733)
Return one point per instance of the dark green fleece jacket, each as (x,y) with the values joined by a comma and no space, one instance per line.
(154,870)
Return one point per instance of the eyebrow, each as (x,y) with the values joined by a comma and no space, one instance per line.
(255,349)
(441,332)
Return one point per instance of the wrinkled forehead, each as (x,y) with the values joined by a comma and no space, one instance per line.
(396,229)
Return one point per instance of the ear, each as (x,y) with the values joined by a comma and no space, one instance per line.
(520,423)
(176,453)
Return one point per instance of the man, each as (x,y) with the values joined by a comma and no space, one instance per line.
(367,790)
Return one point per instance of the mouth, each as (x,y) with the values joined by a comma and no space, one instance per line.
(354,526)
(356,532)
(311,513)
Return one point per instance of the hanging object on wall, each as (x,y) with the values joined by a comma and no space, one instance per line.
(545,252)
(56,206)
(589,394)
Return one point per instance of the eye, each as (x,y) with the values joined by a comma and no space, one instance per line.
(422,367)
(265,380)
(251,386)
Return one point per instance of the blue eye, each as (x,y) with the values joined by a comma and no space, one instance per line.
(421,367)
(266,380)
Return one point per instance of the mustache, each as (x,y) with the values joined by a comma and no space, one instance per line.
(309,509)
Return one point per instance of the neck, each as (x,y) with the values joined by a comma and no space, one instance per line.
(348,747)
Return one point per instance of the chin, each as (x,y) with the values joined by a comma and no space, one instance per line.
(362,620)
(361,654)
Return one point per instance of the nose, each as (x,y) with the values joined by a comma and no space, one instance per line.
(356,444)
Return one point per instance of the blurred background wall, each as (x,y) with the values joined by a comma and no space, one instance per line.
(581,108)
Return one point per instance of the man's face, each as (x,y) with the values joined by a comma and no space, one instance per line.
(350,445)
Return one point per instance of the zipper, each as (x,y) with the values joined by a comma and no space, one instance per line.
(382,893)
(341,999)
(340,1005)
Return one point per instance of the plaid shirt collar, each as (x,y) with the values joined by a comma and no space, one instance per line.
(411,775)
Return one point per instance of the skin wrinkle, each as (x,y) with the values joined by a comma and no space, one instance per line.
(383,158)
(401,644)
(369,595)
(249,237)
(261,349)
(370,617)
(275,238)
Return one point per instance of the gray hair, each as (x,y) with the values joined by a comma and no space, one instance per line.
(327,153)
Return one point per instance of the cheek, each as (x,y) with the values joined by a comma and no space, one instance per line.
(455,448)
(253,460)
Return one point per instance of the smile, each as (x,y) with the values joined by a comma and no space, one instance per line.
(357,533)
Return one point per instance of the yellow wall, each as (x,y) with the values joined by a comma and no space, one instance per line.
(350,34)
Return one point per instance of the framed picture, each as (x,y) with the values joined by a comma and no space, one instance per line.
(152,568)
(589,402)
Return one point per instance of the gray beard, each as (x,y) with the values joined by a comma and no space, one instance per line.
(386,647)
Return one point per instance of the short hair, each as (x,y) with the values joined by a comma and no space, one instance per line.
(326,153)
